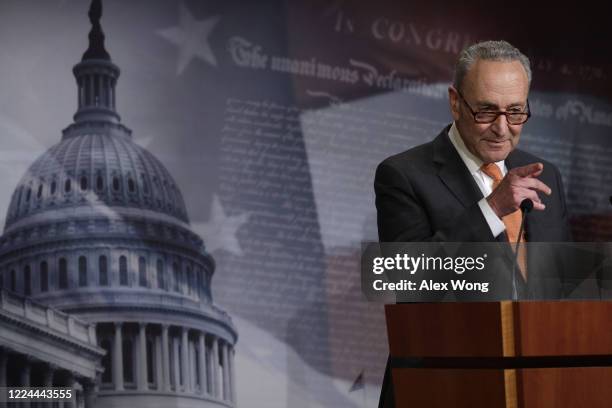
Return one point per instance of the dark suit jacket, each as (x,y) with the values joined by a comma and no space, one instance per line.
(427,194)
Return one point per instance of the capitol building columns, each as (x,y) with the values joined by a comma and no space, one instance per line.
(165,358)
(156,357)
(143,382)
(215,367)
(185,360)
(24,381)
(202,362)
(232,377)
(225,364)
(118,358)
(23,370)
(69,381)
(48,375)
(89,393)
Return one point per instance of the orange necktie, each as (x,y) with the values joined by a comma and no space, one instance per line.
(511,221)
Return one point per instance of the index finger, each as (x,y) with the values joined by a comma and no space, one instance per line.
(529,170)
(535,184)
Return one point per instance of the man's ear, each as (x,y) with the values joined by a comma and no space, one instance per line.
(453,100)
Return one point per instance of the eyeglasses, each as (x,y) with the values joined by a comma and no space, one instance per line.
(513,118)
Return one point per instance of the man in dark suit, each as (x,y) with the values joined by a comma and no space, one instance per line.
(468,183)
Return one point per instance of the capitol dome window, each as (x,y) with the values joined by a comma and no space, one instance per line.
(81,89)
(83,183)
(27,280)
(53,187)
(63,274)
(13,281)
(145,185)
(82,271)
(97,90)
(142,271)
(44,276)
(19,196)
(199,279)
(131,185)
(85,88)
(103,270)
(116,183)
(99,182)
(161,284)
(189,281)
(67,186)
(40,190)
(175,276)
(123,273)
(28,194)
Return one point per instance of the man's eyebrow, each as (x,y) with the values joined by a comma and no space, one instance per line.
(487,104)
(492,105)
(517,105)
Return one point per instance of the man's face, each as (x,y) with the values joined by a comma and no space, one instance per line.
(490,86)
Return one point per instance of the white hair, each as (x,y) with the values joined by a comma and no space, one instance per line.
(488,51)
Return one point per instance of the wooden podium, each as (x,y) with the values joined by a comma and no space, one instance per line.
(502,354)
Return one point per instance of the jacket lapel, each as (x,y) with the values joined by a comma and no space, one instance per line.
(453,172)
(456,176)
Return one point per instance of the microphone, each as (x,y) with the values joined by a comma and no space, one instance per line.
(526,206)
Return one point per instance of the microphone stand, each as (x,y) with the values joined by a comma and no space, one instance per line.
(526,206)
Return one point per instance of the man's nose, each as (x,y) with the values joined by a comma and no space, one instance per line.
(500,125)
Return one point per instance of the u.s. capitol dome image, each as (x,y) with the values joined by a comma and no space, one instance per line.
(105,287)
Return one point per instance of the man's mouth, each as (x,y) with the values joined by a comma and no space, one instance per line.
(495,142)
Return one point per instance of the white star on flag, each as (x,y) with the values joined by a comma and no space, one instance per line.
(191,36)
(219,232)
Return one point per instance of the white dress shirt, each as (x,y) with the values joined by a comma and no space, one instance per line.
(484,182)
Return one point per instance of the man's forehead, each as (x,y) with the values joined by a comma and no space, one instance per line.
(494,82)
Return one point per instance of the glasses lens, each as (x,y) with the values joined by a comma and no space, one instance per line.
(490,117)
(486,117)
(517,118)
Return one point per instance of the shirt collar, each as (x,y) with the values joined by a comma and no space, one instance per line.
(472,162)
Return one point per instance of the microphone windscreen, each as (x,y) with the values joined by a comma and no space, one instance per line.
(526,205)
